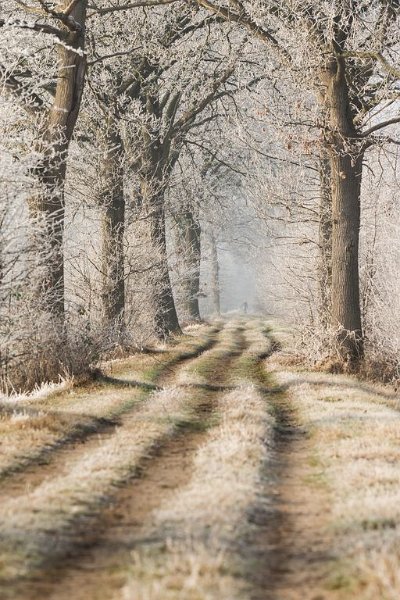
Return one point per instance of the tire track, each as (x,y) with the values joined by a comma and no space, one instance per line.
(287,547)
(89,534)
(32,470)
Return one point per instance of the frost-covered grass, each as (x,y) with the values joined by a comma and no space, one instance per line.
(182,572)
(258,345)
(355,428)
(37,521)
(204,518)
(32,424)
(36,525)
(46,390)
(202,522)
(152,365)
(258,341)
(29,433)
(226,468)
(229,344)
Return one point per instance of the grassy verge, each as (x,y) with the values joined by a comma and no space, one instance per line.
(355,434)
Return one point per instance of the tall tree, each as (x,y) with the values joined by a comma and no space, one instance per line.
(158,96)
(215,280)
(56,114)
(188,247)
(346,49)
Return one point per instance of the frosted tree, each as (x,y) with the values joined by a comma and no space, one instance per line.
(153,90)
(345,49)
(42,64)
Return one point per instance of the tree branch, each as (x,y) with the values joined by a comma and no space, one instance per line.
(31,102)
(63,16)
(113,55)
(379,126)
(243,19)
(191,114)
(214,156)
(377,56)
(138,4)
(40,27)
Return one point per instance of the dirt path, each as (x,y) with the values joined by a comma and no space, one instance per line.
(101,568)
(292,547)
(32,471)
(99,548)
(73,527)
(98,570)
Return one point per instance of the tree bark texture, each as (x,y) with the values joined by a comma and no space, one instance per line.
(47,206)
(166,317)
(112,204)
(325,243)
(215,283)
(156,169)
(189,245)
(345,158)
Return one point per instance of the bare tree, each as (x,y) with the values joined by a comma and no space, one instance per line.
(350,64)
(55,113)
(163,94)
(188,247)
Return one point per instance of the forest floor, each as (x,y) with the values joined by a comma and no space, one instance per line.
(214,468)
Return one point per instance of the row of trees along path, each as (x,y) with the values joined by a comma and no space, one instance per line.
(344,56)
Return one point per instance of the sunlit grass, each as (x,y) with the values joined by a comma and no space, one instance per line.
(51,416)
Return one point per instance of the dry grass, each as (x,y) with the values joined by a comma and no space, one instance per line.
(32,428)
(204,519)
(225,467)
(179,573)
(380,573)
(32,424)
(258,342)
(199,371)
(36,522)
(46,390)
(149,365)
(27,433)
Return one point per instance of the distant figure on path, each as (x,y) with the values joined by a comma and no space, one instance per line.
(245,307)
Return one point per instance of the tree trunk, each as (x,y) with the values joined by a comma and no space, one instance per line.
(156,166)
(325,243)
(215,284)
(166,317)
(345,157)
(48,206)
(346,311)
(112,202)
(189,244)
